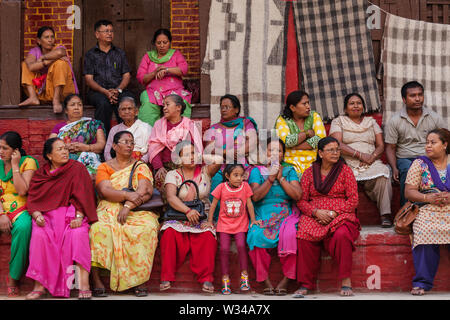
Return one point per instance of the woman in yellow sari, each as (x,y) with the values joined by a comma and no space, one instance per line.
(300,129)
(123,241)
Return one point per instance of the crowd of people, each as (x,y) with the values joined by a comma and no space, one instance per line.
(85,208)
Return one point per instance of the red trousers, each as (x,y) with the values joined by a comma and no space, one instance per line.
(340,247)
(261,262)
(176,245)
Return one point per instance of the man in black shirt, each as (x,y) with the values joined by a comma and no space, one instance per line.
(107,74)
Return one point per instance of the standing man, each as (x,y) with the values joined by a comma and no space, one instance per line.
(406,132)
(107,74)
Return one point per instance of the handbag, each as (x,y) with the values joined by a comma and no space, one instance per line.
(155,201)
(405,217)
(196,204)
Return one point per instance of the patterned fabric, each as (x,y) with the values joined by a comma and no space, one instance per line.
(272,210)
(342,198)
(360,137)
(432,224)
(127,251)
(84,131)
(336,55)
(300,159)
(256,74)
(416,50)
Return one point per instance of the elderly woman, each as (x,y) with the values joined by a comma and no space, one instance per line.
(167,133)
(124,239)
(161,71)
(328,204)
(362,145)
(16,171)
(47,74)
(300,129)
(61,200)
(274,187)
(128,112)
(432,225)
(232,135)
(194,236)
(84,137)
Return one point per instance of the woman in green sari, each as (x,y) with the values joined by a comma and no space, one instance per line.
(161,71)
(16,171)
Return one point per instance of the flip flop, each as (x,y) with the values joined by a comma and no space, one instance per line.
(140,292)
(298,294)
(82,295)
(280,292)
(346,289)
(268,292)
(39,295)
(208,287)
(165,285)
(418,291)
(99,292)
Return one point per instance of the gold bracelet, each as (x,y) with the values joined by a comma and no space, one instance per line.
(424,198)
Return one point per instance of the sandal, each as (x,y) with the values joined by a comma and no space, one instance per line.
(208,287)
(346,291)
(280,292)
(418,291)
(99,292)
(164,285)
(300,293)
(245,285)
(268,291)
(35,295)
(13,291)
(140,292)
(226,286)
(386,221)
(84,295)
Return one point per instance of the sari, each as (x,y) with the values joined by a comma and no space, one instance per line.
(59,194)
(84,131)
(127,251)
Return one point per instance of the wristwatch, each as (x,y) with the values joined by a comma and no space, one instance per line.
(120,90)
(79,215)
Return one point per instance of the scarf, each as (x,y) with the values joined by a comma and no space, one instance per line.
(292,138)
(325,186)
(153,55)
(141,135)
(435,175)
(71,184)
(160,138)
(5,177)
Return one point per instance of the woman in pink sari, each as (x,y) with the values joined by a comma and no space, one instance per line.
(61,200)
(166,134)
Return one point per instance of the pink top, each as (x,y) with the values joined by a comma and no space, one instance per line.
(158,89)
(233,217)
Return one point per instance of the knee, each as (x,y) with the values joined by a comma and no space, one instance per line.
(60,65)
(341,234)
(22,228)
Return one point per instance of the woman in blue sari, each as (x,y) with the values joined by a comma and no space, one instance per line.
(233,134)
(275,187)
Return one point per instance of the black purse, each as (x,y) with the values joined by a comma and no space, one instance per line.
(155,201)
(196,204)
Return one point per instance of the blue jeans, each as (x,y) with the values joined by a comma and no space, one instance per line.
(403,165)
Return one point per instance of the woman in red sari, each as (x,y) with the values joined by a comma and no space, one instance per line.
(328,203)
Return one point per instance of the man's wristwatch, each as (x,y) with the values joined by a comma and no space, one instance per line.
(120,90)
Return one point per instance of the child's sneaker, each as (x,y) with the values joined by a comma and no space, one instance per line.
(226,286)
(245,284)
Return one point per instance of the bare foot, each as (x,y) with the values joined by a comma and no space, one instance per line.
(37,293)
(32,101)
(57,107)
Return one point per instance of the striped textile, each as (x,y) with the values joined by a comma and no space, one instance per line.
(336,56)
(245,56)
(416,50)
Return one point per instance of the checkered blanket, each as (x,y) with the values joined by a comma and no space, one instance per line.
(336,55)
(416,50)
(245,55)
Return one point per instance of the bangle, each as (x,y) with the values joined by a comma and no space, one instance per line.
(187,212)
(424,198)
(354,154)
(79,215)
(16,171)
(127,206)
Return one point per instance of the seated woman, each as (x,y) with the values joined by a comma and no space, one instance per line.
(328,203)
(274,188)
(84,137)
(300,129)
(362,145)
(47,74)
(16,171)
(166,134)
(194,236)
(128,112)
(61,199)
(123,241)
(239,147)
(161,71)
(432,225)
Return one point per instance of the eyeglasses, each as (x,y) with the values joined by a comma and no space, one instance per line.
(226,107)
(107,31)
(128,142)
(338,150)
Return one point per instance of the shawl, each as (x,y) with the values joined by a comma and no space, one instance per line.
(160,138)
(153,55)
(287,243)
(292,138)
(325,186)
(141,133)
(71,184)
(435,175)
(8,176)
(239,125)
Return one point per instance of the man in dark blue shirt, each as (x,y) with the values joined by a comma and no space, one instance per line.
(107,74)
